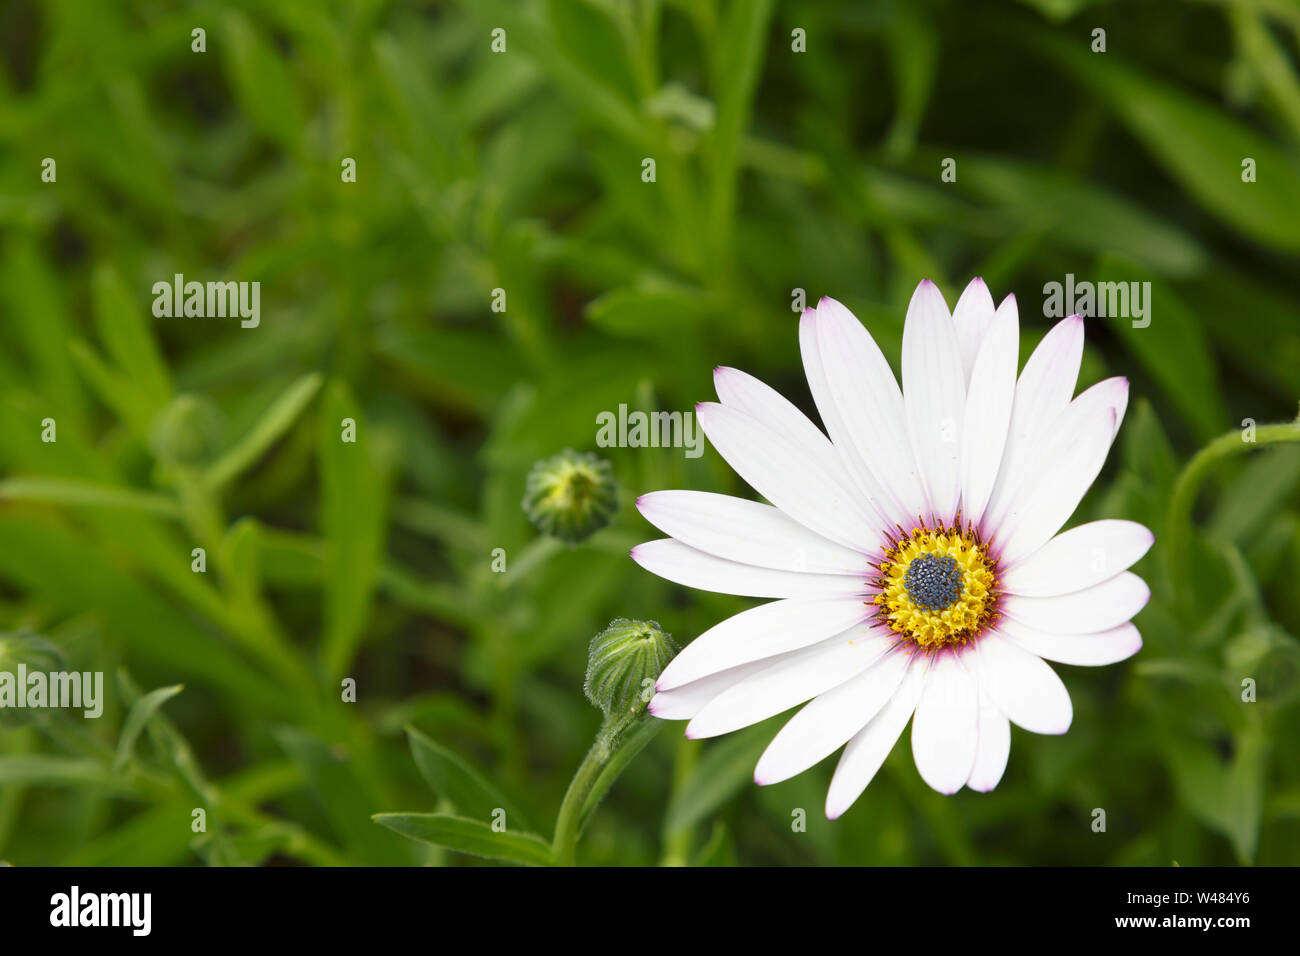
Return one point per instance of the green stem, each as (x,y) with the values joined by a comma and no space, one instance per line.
(677,846)
(604,762)
(1178,520)
(199,510)
(567,824)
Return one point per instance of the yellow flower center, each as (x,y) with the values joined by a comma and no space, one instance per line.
(937,587)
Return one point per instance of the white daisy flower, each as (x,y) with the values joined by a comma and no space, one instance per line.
(914,553)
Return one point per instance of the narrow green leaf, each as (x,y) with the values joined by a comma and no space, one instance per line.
(741,43)
(1202,147)
(54,770)
(1076,214)
(469,836)
(262,82)
(1173,348)
(1255,497)
(334,778)
(68,491)
(122,327)
(453,779)
(37,555)
(354,477)
(593,42)
(113,388)
(656,312)
(1227,797)
(274,422)
(139,715)
(722,772)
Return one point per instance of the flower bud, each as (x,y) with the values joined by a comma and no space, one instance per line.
(188,432)
(623,664)
(571,496)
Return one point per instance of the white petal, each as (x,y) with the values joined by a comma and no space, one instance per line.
(1082,650)
(1042,392)
(755,398)
(684,702)
(775,468)
(760,632)
(872,744)
(971,317)
(1098,608)
(860,402)
(934,394)
(681,564)
(747,531)
(994,746)
(1078,558)
(806,674)
(1023,687)
(945,728)
(988,410)
(1069,460)
(830,719)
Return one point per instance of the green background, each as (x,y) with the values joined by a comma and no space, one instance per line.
(775,170)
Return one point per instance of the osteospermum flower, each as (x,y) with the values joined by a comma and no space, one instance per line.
(914,553)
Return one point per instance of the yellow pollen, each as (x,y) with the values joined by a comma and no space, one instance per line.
(971,608)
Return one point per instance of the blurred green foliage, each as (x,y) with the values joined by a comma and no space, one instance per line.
(521,171)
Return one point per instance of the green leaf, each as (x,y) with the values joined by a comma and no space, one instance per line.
(1228,798)
(591,41)
(1267,347)
(128,338)
(66,491)
(334,776)
(453,779)
(913,55)
(722,772)
(354,478)
(740,46)
(54,770)
(139,715)
(1202,147)
(718,851)
(275,421)
(262,82)
(469,836)
(1076,214)
(113,388)
(1173,348)
(607,105)
(657,311)
(1252,501)
(425,118)
(37,555)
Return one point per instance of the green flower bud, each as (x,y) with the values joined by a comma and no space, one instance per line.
(188,432)
(571,496)
(623,664)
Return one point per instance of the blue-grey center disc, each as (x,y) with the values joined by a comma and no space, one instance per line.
(933,582)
